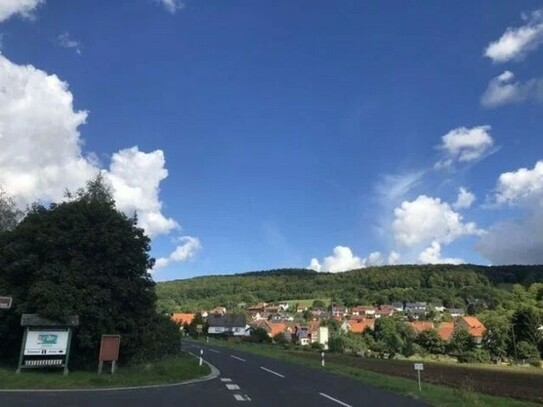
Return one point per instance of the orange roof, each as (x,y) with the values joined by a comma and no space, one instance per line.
(475,327)
(358,326)
(420,326)
(276,328)
(181,318)
(445,330)
(314,325)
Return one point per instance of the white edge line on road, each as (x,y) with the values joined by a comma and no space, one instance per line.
(213,350)
(336,400)
(271,371)
(235,357)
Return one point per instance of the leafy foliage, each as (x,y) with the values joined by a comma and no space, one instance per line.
(83,257)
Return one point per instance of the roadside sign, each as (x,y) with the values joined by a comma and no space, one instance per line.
(5,302)
(419,366)
(46,342)
(109,348)
(199,328)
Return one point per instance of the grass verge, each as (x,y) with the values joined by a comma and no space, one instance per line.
(169,370)
(436,395)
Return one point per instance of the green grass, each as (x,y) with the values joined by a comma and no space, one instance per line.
(174,369)
(307,302)
(433,394)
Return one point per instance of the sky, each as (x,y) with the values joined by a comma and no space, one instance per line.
(252,135)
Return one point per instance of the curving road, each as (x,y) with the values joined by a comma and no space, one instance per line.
(244,378)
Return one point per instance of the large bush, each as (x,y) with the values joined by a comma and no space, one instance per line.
(83,257)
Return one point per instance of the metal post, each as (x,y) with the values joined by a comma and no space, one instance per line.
(21,355)
(322,359)
(418,372)
(100,367)
(69,345)
(113,367)
(201,356)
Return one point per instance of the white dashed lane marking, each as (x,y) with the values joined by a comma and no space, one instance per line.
(335,400)
(232,387)
(241,397)
(226,379)
(213,350)
(271,371)
(235,357)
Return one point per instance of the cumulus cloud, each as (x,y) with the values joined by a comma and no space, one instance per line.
(464,199)
(24,8)
(343,259)
(503,90)
(517,42)
(65,40)
(189,246)
(429,219)
(517,241)
(523,186)
(465,144)
(172,6)
(41,154)
(432,255)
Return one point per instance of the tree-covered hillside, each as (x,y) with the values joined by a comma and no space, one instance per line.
(452,285)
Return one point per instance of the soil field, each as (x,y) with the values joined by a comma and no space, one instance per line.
(519,385)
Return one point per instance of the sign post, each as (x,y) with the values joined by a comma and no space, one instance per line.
(109,352)
(5,302)
(419,367)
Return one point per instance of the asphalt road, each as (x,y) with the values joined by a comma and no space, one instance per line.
(244,379)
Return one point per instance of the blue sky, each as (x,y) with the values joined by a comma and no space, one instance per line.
(255,135)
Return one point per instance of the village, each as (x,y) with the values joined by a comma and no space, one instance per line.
(312,325)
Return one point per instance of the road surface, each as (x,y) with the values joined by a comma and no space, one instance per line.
(245,379)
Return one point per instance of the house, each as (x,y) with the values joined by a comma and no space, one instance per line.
(261,307)
(283,306)
(456,312)
(182,318)
(366,310)
(358,326)
(437,307)
(473,326)
(302,335)
(384,311)
(420,326)
(411,307)
(397,306)
(272,328)
(336,311)
(218,310)
(319,312)
(445,330)
(323,334)
(229,324)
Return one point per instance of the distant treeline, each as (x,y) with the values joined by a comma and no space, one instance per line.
(454,286)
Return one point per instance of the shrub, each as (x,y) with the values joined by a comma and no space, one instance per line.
(474,356)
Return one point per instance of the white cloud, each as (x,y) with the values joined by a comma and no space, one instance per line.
(65,40)
(464,200)
(464,145)
(172,6)
(135,177)
(343,259)
(517,241)
(23,8)
(428,219)
(41,155)
(523,186)
(188,248)
(503,89)
(393,258)
(432,255)
(516,43)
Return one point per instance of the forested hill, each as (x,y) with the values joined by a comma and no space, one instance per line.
(449,284)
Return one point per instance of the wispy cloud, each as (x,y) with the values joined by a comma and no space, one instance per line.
(65,40)
(172,6)
(504,89)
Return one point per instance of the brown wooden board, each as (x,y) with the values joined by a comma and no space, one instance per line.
(109,348)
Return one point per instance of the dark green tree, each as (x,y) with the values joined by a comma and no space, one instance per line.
(461,341)
(526,322)
(84,257)
(431,342)
(9,214)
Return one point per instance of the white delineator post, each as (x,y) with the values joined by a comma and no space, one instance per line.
(201,356)
(322,359)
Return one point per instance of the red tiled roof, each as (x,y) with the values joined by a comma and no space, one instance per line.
(420,326)
(445,330)
(181,318)
(474,326)
(358,326)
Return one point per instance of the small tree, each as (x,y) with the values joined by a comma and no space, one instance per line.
(431,342)
(461,342)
